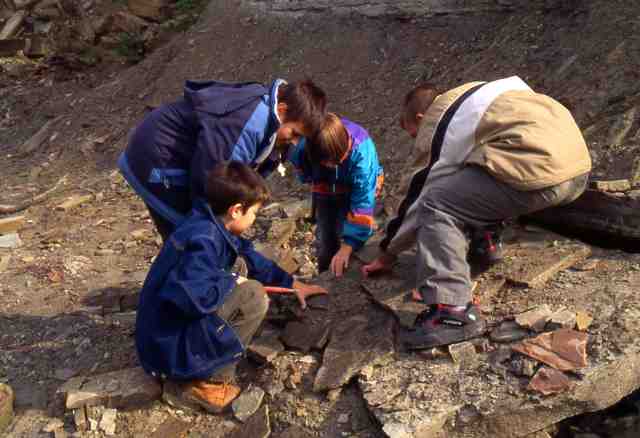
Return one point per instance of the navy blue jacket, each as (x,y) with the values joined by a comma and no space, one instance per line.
(170,153)
(178,334)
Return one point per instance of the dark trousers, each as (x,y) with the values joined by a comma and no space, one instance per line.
(330,213)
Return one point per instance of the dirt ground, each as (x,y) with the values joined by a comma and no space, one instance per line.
(588,59)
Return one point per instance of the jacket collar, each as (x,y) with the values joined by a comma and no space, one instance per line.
(203,208)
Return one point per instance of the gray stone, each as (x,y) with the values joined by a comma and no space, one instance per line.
(535,319)
(562,319)
(265,348)
(10,241)
(6,406)
(12,25)
(297,209)
(247,403)
(464,354)
(119,389)
(618,185)
(507,331)
(257,426)
(305,336)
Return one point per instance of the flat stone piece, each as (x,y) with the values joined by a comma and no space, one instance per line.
(247,403)
(564,350)
(11,224)
(617,185)
(549,381)
(534,269)
(393,292)
(281,231)
(74,201)
(10,241)
(257,426)
(508,331)
(6,406)
(305,336)
(583,320)
(118,389)
(354,344)
(562,319)
(318,302)
(535,319)
(265,348)
(464,354)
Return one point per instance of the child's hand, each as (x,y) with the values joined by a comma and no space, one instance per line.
(241,279)
(303,291)
(340,261)
(382,264)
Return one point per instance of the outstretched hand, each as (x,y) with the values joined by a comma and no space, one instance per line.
(304,291)
(381,265)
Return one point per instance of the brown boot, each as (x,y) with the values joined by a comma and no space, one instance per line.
(213,397)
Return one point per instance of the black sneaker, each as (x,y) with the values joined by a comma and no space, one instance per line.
(486,246)
(443,325)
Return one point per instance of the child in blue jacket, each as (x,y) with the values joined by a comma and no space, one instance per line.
(341,163)
(170,153)
(196,317)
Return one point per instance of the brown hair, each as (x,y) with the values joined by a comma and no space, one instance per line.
(417,101)
(306,103)
(233,182)
(330,143)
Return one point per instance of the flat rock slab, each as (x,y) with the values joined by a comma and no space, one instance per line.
(265,349)
(549,381)
(305,336)
(247,403)
(564,349)
(257,426)
(355,343)
(533,267)
(119,389)
(508,331)
(6,406)
(535,319)
(11,224)
(281,231)
(393,292)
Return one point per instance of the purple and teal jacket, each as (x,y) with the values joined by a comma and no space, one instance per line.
(359,177)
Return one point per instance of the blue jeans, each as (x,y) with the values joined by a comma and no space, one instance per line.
(330,213)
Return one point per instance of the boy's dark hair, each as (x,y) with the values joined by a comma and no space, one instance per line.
(417,101)
(330,143)
(306,102)
(233,182)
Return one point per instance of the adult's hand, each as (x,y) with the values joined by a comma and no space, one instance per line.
(340,261)
(303,291)
(382,264)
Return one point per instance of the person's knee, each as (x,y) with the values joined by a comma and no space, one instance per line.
(256,297)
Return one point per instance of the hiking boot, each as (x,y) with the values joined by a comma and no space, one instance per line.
(212,397)
(486,246)
(443,325)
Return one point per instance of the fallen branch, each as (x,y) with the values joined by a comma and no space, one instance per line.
(10,209)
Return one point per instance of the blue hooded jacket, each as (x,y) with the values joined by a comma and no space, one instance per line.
(178,334)
(170,153)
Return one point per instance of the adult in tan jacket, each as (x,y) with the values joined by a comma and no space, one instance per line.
(484,152)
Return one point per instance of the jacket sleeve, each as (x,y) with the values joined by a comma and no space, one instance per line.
(196,285)
(359,223)
(297,157)
(261,268)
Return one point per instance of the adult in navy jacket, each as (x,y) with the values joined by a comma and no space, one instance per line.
(171,151)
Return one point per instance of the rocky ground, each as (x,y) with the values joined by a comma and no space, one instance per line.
(329,372)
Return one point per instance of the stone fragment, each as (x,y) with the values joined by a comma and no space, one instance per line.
(354,344)
(12,25)
(247,403)
(535,319)
(80,418)
(523,366)
(108,421)
(265,348)
(583,320)
(281,231)
(74,201)
(394,294)
(6,406)
(549,381)
(124,319)
(564,349)
(464,354)
(305,336)
(334,394)
(562,319)
(141,234)
(119,389)
(619,185)
(534,276)
(4,262)
(318,302)
(37,139)
(507,331)
(432,353)
(152,9)
(10,241)
(297,209)
(257,426)
(11,224)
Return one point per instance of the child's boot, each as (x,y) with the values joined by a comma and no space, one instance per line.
(213,397)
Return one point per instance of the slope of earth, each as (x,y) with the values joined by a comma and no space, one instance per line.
(586,58)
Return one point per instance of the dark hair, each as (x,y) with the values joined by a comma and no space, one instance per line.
(306,103)
(417,101)
(330,143)
(233,182)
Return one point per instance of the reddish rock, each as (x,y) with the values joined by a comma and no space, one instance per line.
(549,381)
(564,349)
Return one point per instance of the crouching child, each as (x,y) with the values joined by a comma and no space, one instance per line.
(341,164)
(195,316)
